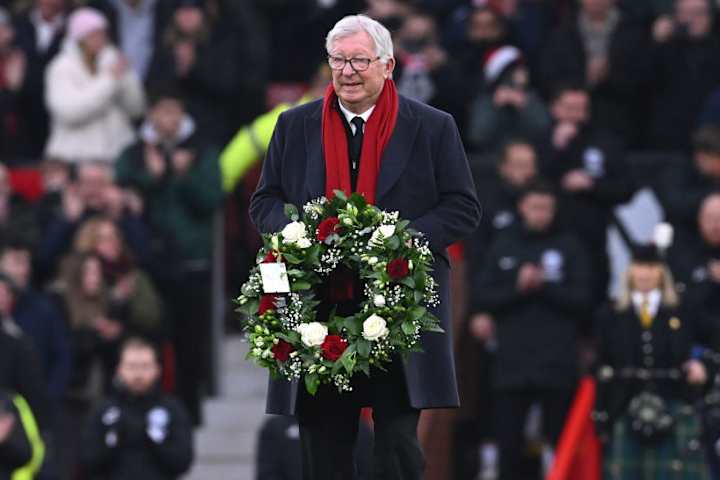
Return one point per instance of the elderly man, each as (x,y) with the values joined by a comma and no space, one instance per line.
(401,155)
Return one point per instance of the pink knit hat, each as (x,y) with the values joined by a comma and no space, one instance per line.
(85,21)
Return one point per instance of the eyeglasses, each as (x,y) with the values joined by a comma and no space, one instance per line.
(359,64)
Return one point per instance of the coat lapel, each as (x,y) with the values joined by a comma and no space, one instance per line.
(315,174)
(398,150)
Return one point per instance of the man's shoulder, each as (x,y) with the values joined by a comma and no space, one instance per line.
(313,108)
(422,110)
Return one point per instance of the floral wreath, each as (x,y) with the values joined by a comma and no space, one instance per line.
(393,263)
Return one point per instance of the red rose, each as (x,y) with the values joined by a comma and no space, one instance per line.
(282,350)
(267,302)
(398,269)
(333,347)
(327,227)
(271,257)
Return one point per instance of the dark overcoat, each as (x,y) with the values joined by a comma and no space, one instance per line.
(425,176)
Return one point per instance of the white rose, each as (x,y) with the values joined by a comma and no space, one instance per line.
(293,232)
(372,260)
(379,300)
(304,243)
(312,334)
(374,328)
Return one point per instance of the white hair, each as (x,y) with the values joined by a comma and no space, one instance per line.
(353,24)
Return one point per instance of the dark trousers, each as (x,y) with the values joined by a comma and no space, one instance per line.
(329,429)
(511,410)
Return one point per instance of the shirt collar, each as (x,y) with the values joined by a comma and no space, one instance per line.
(654,297)
(350,115)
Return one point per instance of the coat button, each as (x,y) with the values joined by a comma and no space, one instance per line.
(646,336)
(649,361)
(647,349)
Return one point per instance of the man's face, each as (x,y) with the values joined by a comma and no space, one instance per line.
(49,8)
(166,115)
(646,277)
(694,15)
(16,265)
(189,20)
(138,369)
(94,42)
(417,33)
(519,165)
(572,107)
(708,164)
(537,211)
(92,182)
(358,91)
(484,26)
(597,7)
(709,221)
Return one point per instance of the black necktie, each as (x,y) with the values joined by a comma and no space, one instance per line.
(355,147)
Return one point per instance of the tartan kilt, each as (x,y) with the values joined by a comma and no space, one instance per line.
(680,456)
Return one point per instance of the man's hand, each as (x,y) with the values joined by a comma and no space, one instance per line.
(696,372)
(482,326)
(663,29)
(7,423)
(108,329)
(714,270)
(530,278)
(73,204)
(182,160)
(134,202)
(120,67)
(577,181)
(123,288)
(154,161)
(563,134)
(114,201)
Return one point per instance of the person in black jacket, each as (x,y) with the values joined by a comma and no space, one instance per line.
(685,186)
(535,284)
(138,433)
(15,448)
(588,167)
(645,370)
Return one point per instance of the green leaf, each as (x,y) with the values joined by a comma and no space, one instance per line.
(364,367)
(352,325)
(416,313)
(301,285)
(393,243)
(340,195)
(418,296)
(250,308)
(291,212)
(348,359)
(408,328)
(402,224)
(408,282)
(433,328)
(312,382)
(363,347)
(291,258)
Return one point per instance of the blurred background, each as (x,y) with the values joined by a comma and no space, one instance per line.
(132,135)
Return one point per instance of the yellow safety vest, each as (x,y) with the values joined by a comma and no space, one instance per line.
(33,433)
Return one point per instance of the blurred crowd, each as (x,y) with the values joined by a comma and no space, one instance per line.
(127,126)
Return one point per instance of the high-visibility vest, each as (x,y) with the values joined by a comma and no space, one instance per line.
(27,419)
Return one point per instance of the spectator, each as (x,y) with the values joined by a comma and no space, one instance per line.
(40,32)
(20,365)
(483,30)
(535,284)
(588,167)
(13,66)
(92,194)
(179,179)
(39,318)
(686,185)
(21,448)
(601,48)
(200,57)
(687,69)
(136,27)
(138,432)
(424,71)
(508,108)
(696,267)
(16,214)
(92,94)
(643,406)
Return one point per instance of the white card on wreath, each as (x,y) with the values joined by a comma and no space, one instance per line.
(274,278)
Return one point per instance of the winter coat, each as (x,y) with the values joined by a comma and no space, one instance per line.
(537,331)
(141,438)
(91,113)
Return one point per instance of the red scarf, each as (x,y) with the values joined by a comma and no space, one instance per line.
(378,130)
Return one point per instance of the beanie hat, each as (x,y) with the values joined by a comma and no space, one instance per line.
(499,60)
(85,21)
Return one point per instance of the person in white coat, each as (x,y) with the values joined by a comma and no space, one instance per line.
(92,94)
